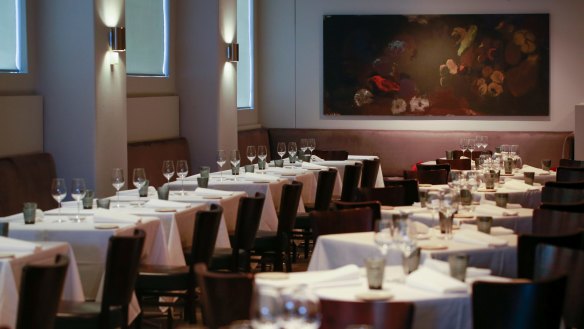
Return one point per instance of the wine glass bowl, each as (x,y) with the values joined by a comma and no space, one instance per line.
(168,169)
(182,170)
(59,192)
(78,191)
(281,149)
(118,182)
(221,159)
(384,235)
(292,150)
(235,160)
(139,180)
(251,153)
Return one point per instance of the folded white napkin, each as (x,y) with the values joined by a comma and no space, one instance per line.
(344,273)
(315,158)
(111,216)
(429,279)
(19,217)
(285,171)
(313,166)
(259,177)
(492,210)
(444,268)
(495,230)
(156,203)
(478,238)
(515,184)
(15,245)
(528,168)
(134,192)
(362,157)
(202,191)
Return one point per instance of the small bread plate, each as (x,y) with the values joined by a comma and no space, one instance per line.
(212,197)
(432,246)
(106,226)
(6,255)
(165,210)
(272,275)
(372,295)
(261,181)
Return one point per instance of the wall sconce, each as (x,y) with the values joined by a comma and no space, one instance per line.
(232,52)
(117,39)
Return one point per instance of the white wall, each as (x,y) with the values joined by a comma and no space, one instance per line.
(291,53)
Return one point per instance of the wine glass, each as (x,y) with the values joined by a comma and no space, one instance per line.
(266,307)
(168,169)
(311,144)
(485,142)
(292,149)
(463,143)
(251,153)
(78,192)
(433,203)
(182,170)
(471,146)
(306,309)
(221,159)
(281,149)
(384,235)
(117,182)
(262,152)
(59,192)
(235,160)
(449,207)
(139,180)
(304,145)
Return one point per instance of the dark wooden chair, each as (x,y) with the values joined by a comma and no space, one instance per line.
(369,172)
(386,315)
(225,297)
(41,286)
(387,196)
(331,154)
(351,179)
(552,261)
(238,257)
(570,207)
(518,305)
(4,228)
(411,189)
(563,192)
(527,243)
(569,174)
(276,245)
(342,221)
(434,177)
(556,222)
(571,163)
(178,282)
(456,164)
(121,270)
(374,205)
(421,167)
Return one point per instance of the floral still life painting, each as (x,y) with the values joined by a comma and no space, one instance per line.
(436,65)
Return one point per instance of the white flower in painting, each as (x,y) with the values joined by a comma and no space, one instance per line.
(398,106)
(362,97)
(419,104)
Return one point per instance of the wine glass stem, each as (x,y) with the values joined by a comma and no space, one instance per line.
(78,209)
(182,185)
(220,173)
(118,197)
(59,210)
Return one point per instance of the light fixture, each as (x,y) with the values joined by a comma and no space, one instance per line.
(117,39)
(232,52)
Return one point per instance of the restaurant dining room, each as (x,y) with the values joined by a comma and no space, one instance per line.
(333,164)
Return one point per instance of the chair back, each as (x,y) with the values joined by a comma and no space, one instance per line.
(351,179)
(324,188)
(571,163)
(387,315)
(41,287)
(569,207)
(569,174)
(370,172)
(387,196)
(457,164)
(556,222)
(225,297)
(339,155)
(205,235)
(289,202)
(422,167)
(121,270)
(4,226)
(526,249)
(411,189)
(562,192)
(342,221)
(518,305)
(552,261)
(434,177)
(249,214)
(374,205)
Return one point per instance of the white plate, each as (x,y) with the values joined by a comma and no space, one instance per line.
(372,295)
(272,275)
(106,226)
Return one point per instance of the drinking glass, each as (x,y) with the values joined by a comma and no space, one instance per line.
(311,144)
(266,307)
(449,207)
(59,192)
(262,152)
(471,146)
(78,192)
(221,159)
(168,169)
(307,308)
(384,235)
(433,203)
(235,160)
(281,149)
(117,182)
(292,149)
(463,143)
(182,170)
(251,153)
(139,180)
(304,145)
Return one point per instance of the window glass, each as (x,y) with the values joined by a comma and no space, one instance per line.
(13,36)
(245,77)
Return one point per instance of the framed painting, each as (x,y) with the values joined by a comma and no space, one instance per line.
(436,65)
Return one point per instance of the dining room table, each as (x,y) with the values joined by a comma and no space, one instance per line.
(14,255)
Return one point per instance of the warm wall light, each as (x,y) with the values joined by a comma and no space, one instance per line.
(117,39)
(232,52)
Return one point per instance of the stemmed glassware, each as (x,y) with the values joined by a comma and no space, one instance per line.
(470,144)
(463,143)
(449,207)
(262,153)
(59,192)
(281,149)
(303,145)
(78,192)
(168,169)
(221,162)
(251,153)
(117,182)
(266,307)
(311,144)
(139,180)
(182,170)
(292,149)
(235,160)
(384,235)
(433,203)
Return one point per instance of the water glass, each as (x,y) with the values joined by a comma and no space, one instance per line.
(375,267)
(546,164)
(446,221)
(88,199)
(484,224)
(203,182)
(205,170)
(411,262)
(508,165)
(163,192)
(143,191)
(529,177)
(103,203)
(458,264)
(422,196)
(29,212)
(501,199)
(249,168)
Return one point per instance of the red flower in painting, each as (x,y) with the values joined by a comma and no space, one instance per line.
(382,84)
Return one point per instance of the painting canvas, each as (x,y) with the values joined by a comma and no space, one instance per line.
(436,65)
